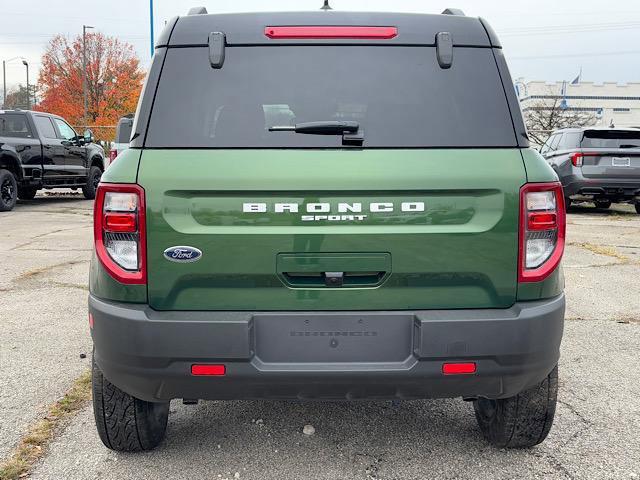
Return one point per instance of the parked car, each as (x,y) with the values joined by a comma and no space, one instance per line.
(123,136)
(330,208)
(42,151)
(599,165)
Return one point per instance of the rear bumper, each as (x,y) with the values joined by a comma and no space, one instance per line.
(577,185)
(394,354)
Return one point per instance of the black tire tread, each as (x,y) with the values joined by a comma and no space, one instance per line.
(125,423)
(524,420)
(88,190)
(5,207)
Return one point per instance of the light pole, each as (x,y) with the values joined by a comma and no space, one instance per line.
(4,79)
(151,24)
(84,70)
(26,64)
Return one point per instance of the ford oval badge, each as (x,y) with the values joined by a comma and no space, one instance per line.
(182,254)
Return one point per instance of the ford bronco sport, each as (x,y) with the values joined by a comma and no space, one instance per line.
(327,205)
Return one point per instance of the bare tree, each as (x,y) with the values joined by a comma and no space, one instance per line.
(544,115)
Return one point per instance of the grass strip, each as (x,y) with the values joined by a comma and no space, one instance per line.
(35,442)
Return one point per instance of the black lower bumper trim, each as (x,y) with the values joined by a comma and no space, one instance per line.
(326,355)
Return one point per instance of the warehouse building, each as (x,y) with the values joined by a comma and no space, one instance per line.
(610,103)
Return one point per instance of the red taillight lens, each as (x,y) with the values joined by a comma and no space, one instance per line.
(120,231)
(311,32)
(208,369)
(120,222)
(542,221)
(113,153)
(465,368)
(542,230)
(577,159)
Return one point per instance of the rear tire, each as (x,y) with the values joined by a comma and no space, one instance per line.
(126,423)
(567,203)
(521,421)
(27,193)
(8,190)
(602,204)
(89,190)
(637,205)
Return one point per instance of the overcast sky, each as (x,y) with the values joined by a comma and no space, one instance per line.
(543,39)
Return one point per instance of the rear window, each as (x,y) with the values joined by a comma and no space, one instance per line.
(398,95)
(610,139)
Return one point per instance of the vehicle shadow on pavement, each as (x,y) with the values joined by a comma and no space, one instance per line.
(49,200)
(626,211)
(369,439)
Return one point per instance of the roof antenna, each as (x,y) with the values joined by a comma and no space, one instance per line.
(326,6)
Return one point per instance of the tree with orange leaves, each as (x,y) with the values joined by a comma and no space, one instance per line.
(114,80)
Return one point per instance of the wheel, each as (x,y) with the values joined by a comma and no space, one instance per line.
(604,204)
(27,193)
(567,203)
(89,190)
(8,190)
(637,205)
(521,421)
(126,423)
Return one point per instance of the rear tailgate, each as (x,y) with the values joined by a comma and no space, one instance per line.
(611,153)
(453,246)
(614,164)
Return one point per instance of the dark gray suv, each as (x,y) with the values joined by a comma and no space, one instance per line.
(600,165)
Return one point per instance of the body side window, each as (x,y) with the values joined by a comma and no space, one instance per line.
(66,132)
(15,125)
(45,126)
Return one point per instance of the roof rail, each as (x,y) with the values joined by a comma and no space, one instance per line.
(197,11)
(454,11)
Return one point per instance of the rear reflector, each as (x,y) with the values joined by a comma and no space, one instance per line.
(210,370)
(90,320)
(331,32)
(458,368)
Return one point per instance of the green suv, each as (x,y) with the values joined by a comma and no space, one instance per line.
(327,205)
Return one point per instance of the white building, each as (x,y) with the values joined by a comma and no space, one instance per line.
(610,102)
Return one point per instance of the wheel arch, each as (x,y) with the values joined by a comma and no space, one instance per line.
(97,161)
(12,163)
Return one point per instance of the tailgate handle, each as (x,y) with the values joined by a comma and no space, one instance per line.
(333,279)
(333,270)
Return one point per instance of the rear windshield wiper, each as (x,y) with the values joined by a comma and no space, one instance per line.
(349,130)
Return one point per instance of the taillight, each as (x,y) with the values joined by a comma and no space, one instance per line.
(119,231)
(542,230)
(326,31)
(576,158)
(113,153)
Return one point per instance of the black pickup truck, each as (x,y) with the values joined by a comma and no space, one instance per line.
(40,150)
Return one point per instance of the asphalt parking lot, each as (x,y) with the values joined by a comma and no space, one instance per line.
(45,246)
